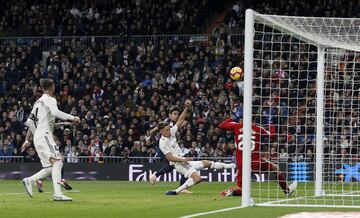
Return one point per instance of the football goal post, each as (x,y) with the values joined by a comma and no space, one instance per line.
(302,75)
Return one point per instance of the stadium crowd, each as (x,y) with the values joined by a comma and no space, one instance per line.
(121,90)
(80,17)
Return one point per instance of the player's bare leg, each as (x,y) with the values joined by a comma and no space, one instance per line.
(32,180)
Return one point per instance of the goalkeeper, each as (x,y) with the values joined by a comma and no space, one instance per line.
(257,162)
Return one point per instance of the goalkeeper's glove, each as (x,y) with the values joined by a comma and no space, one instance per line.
(238,113)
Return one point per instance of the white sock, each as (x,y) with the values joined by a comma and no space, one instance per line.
(56,177)
(187,184)
(45,172)
(219,165)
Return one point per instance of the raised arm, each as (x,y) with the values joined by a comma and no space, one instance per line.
(270,132)
(63,124)
(228,124)
(153,131)
(52,105)
(183,114)
(59,114)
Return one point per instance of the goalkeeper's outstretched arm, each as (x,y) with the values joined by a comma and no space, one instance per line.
(228,124)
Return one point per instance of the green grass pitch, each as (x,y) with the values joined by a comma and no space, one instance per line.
(131,199)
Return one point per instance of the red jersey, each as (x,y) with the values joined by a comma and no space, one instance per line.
(257,132)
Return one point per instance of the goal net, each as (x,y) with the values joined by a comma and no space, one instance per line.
(302,75)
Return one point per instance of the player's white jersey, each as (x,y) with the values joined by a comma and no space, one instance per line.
(170,145)
(43,115)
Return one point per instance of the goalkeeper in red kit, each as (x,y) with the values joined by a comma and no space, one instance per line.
(257,162)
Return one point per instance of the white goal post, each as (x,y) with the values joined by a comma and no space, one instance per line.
(302,75)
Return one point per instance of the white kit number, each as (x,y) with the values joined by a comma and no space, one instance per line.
(240,144)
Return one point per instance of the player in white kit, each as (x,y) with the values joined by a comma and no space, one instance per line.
(43,116)
(46,171)
(184,165)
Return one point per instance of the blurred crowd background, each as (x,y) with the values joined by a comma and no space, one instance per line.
(122,88)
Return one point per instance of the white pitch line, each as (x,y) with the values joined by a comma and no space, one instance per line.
(239,207)
(310,205)
(211,212)
(283,200)
(24,193)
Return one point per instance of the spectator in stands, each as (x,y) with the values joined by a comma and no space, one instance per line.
(98,156)
(105,17)
(6,154)
(72,156)
(283,156)
(32,156)
(68,147)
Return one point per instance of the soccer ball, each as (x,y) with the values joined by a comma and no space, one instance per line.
(236,73)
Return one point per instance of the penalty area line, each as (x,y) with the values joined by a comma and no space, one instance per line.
(211,212)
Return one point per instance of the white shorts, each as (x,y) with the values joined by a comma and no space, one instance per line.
(47,149)
(188,169)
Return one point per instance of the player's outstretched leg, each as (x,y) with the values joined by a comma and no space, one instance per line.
(218,165)
(28,186)
(182,181)
(193,180)
(56,177)
(234,191)
(28,182)
(166,169)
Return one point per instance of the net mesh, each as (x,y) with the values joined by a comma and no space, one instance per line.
(284,95)
(330,32)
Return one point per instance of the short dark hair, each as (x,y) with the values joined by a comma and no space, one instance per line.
(162,125)
(173,108)
(46,84)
